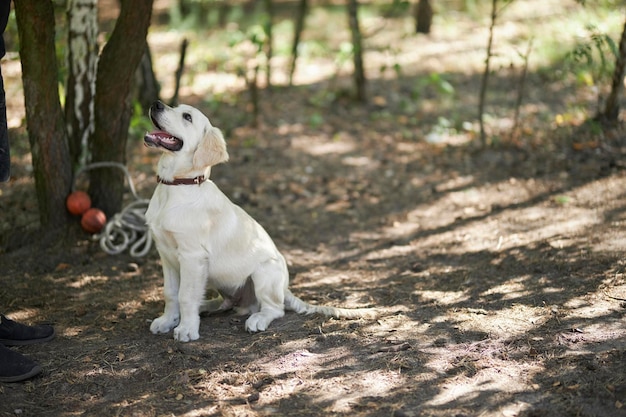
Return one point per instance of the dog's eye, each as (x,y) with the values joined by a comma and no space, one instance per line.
(187,117)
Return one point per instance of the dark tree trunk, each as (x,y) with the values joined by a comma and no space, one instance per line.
(82,16)
(44,116)
(147,88)
(485,78)
(357,45)
(297,33)
(269,44)
(423,16)
(119,60)
(179,72)
(611,109)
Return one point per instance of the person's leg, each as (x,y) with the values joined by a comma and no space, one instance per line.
(5,154)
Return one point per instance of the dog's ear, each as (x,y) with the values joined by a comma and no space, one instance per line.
(211,150)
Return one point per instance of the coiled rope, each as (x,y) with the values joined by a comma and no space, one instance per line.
(127,228)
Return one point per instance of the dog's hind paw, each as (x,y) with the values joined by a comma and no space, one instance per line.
(163,324)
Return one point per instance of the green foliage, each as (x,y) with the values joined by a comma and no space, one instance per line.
(139,123)
(562,200)
(254,34)
(194,14)
(250,142)
(446,128)
(344,55)
(316,120)
(394,65)
(257,34)
(601,3)
(436,83)
(397,8)
(322,98)
(250,43)
(443,86)
(594,56)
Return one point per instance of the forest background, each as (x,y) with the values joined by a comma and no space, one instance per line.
(479,206)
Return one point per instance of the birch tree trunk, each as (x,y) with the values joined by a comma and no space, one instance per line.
(82,59)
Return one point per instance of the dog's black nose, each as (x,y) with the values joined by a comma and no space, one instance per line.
(157,106)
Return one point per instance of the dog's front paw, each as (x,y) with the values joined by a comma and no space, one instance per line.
(163,324)
(185,334)
(258,322)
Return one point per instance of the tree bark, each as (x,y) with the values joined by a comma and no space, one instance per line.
(113,108)
(485,77)
(147,88)
(611,109)
(269,44)
(179,73)
(423,16)
(357,50)
(82,16)
(44,116)
(297,33)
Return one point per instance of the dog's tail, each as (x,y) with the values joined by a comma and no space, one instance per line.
(302,307)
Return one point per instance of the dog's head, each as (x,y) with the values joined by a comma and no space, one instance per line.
(187,137)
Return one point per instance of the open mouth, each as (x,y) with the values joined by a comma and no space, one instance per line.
(161,139)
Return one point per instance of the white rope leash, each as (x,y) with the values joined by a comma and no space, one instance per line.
(127,228)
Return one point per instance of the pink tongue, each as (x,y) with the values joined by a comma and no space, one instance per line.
(161,134)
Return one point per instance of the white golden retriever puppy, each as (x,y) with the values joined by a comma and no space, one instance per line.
(205,240)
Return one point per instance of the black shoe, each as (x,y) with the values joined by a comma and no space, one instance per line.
(16,334)
(15,367)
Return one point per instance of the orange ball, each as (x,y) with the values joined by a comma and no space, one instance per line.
(93,220)
(78,202)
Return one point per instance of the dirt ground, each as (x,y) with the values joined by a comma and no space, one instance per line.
(499,274)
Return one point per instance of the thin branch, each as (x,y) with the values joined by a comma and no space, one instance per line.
(485,78)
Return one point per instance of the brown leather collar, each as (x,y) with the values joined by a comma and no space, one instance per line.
(183,181)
